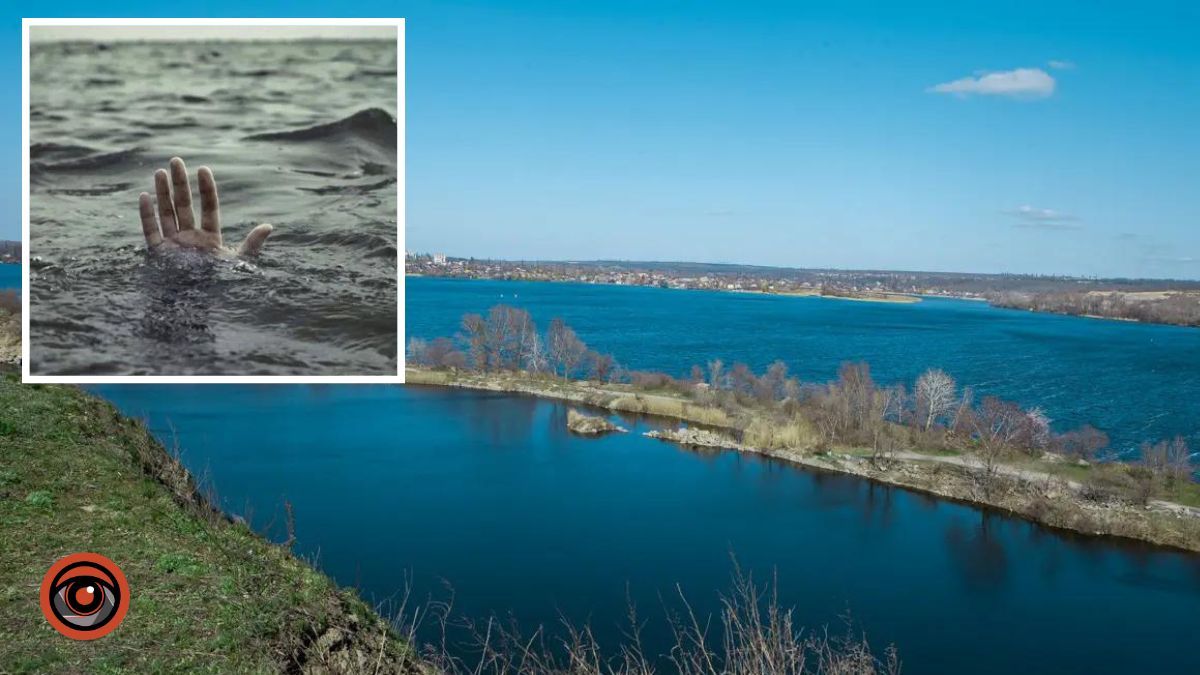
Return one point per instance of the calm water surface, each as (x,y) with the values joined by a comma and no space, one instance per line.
(1134,381)
(10,277)
(488,493)
(298,134)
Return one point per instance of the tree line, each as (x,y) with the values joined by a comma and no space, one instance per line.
(506,339)
(1180,309)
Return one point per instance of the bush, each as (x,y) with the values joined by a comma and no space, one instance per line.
(39,498)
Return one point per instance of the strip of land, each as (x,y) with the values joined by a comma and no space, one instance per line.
(1084,497)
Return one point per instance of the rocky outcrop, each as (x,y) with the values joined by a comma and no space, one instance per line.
(692,437)
(589,425)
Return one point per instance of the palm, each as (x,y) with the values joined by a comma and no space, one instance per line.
(174,224)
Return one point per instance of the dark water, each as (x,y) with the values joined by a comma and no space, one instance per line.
(488,493)
(10,277)
(1134,381)
(298,134)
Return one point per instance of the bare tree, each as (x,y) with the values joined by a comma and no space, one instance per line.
(506,340)
(1168,459)
(442,353)
(599,365)
(716,374)
(936,395)
(769,387)
(567,351)
(1083,443)
(742,379)
(535,357)
(417,349)
(475,335)
(999,426)
(962,411)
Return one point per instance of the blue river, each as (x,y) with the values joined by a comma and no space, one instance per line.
(10,277)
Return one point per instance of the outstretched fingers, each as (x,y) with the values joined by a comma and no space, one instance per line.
(149,222)
(255,240)
(210,208)
(166,210)
(182,189)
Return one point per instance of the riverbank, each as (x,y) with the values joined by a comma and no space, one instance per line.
(208,594)
(1165,307)
(1088,499)
(856,296)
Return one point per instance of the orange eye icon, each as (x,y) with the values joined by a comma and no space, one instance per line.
(84,596)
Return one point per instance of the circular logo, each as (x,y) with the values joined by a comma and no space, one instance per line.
(84,596)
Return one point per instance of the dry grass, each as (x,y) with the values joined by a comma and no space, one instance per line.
(665,406)
(794,434)
(10,328)
(427,376)
(752,635)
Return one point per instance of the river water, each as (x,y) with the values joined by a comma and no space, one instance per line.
(298,134)
(489,494)
(10,277)
(1136,382)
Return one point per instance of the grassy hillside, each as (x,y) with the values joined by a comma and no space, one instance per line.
(207,594)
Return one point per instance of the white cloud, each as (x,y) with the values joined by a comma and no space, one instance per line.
(1043,219)
(1059,64)
(1017,83)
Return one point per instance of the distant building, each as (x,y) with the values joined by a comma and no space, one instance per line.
(439,258)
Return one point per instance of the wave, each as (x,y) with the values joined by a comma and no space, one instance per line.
(85,163)
(58,150)
(366,243)
(373,124)
(96,190)
(350,189)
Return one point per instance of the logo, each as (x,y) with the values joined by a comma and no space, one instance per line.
(84,596)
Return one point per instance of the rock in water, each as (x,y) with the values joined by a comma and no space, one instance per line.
(696,438)
(590,425)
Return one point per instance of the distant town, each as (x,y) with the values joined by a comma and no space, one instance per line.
(1150,300)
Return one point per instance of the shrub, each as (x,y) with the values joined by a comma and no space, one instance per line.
(39,498)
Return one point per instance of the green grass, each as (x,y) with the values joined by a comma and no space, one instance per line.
(1187,494)
(207,595)
(1117,475)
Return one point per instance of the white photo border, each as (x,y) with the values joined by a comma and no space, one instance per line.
(398,378)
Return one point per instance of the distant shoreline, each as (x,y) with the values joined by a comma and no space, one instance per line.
(882,297)
(887,298)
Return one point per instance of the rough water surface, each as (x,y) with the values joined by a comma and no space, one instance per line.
(301,135)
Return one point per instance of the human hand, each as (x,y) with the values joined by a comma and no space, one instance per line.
(175,225)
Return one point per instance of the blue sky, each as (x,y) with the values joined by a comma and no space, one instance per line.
(1049,137)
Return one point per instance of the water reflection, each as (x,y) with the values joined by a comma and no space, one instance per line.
(978,553)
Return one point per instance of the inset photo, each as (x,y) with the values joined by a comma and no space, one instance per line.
(214,200)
